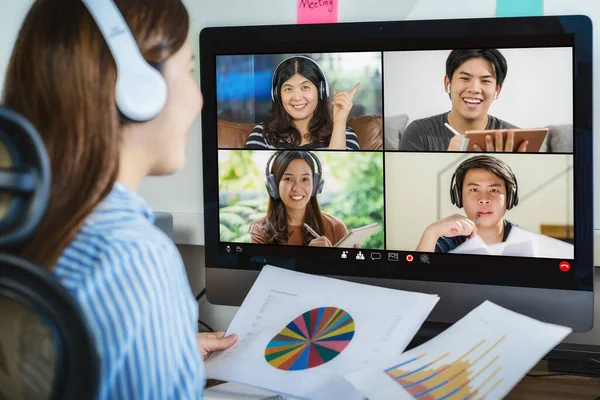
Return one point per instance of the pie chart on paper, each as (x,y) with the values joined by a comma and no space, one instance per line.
(312,339)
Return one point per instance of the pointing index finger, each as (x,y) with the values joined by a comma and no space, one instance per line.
(354,89)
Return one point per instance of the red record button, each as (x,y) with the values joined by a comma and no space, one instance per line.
(564,266)
(409,258)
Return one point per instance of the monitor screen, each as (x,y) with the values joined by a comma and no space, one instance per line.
(448,156)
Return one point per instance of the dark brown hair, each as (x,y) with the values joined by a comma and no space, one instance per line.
(456,58)
(274,224)
(61,77)
(280,126)
(489,163)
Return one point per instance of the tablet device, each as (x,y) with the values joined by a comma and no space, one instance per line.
(357,236)
(535,136)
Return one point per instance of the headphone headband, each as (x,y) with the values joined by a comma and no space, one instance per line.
(273,186)
(323,88)
(141,90)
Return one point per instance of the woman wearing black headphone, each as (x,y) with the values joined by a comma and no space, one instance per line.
(293,213)
(301,117)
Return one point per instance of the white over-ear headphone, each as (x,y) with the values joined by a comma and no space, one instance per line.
(141,90)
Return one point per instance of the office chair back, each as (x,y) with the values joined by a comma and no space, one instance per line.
(46,347)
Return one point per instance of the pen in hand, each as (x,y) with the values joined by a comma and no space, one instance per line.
(451,129)
(475,222)
(465,141)
(311,231)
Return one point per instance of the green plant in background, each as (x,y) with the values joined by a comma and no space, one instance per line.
(239,175)
(360,201)
(238,172)
(235,219)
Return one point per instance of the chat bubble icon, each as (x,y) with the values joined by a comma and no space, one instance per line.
(375,256)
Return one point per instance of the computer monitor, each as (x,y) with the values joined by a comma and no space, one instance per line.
(288,148)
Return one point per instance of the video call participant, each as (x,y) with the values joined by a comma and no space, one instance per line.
(473,80)
(97,236)
(486,188)
(293,182)
(301,116)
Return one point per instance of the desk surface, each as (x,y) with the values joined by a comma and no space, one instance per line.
(570,387)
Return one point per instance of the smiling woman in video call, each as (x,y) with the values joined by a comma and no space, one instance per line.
(301,116)
(97,236)
(293,183)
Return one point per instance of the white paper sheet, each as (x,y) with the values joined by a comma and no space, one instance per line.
(380,325)
(484,355)
(522,243)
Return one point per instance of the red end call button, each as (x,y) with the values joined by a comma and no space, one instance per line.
(564,266)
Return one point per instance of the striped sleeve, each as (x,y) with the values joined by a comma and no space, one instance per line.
(351,139)
(256,140)
(144,323)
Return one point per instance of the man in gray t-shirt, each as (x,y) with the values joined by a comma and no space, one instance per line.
(473,80)
(430,134)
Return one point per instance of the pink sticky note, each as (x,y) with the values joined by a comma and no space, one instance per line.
(317,11)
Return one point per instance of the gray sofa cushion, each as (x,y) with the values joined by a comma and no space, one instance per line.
(559,139)
(393,129)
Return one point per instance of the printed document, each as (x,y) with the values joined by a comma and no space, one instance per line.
(482,356)
(299,334)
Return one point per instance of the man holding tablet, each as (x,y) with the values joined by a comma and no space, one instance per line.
(473,80)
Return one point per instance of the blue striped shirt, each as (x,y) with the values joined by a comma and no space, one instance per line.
(130,281)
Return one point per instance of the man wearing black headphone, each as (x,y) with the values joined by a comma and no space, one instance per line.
(485,187)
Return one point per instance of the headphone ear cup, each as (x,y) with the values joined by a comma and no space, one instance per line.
(455,197)
(271,186)
(513,199)
(318,184)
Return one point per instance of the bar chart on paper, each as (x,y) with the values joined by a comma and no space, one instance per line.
(482,356)
(474,374)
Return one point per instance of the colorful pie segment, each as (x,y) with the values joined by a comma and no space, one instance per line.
(312,339)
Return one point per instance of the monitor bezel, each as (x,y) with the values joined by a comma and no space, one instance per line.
(522,32)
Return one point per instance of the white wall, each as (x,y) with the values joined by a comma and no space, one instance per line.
(537,91)
(412,198)
(11,18)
